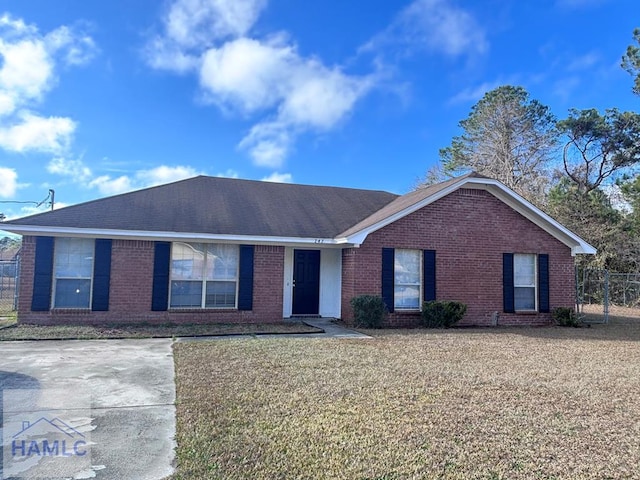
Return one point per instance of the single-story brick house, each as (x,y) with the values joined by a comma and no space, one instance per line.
(211,249)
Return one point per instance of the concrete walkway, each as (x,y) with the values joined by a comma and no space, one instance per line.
(331,330)
(327,325)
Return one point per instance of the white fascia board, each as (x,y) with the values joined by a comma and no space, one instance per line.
(515,201)
(170,236)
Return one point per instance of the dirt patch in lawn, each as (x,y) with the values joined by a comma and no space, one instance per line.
(84,332)
(617,314)
(514,403)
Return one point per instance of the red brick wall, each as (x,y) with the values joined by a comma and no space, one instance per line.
(470,230)
(131,287)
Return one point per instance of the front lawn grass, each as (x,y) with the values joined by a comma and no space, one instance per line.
(521,403)
(8,319)
(13,331)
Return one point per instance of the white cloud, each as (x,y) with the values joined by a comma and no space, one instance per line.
(433,25)
(107,185)
(77,48)
(35,133)
(268,144)
(28,62)
(26,71)
(565,87)
(164,174)
(8,182)
(247,74)
(584,62)
(111,186)
(192,23)
(278,178)
(29,58)
(163,55)
(192,26)
(79,173)
(229,173)
(263,77)
(73,168)
(10,26)
(320,97)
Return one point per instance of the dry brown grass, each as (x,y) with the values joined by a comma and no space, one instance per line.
(617,315)
(9,330)
(547,403)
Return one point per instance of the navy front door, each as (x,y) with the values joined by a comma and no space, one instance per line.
(306,282)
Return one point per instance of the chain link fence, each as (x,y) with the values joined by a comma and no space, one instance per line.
(603,290)
(8,286)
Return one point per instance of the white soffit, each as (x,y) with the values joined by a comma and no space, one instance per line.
(170,236)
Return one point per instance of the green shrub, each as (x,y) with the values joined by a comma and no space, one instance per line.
(442,314)
(565,317)
(369,311)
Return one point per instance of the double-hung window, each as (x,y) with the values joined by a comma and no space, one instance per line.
(73,272)
(524,282)
(204,275)
(407,276)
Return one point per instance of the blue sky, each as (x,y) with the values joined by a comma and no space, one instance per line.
(103,97)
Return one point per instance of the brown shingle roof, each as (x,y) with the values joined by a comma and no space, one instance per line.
(212,205)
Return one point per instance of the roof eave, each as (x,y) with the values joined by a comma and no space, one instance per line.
(170,236)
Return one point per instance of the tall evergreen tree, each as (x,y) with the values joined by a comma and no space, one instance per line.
(509,137)
(631,61)
(599,147)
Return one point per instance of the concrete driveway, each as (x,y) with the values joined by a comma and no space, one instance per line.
(87,409)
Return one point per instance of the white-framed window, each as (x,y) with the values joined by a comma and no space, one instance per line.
(407,279)
(524,282)
(204,275)
(73,272)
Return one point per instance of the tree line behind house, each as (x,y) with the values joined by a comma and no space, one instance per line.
(582,170)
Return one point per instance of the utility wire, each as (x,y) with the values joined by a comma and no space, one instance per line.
(50,195)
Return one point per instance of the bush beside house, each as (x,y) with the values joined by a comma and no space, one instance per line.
(442,314)
(369,311)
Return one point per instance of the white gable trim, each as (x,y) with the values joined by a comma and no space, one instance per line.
(498,190)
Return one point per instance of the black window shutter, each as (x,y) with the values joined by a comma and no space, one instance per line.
(543,283)
(429,274)
(245,276)
(388,275)
(161,263)
(43,275)
(101,275)
(507,283)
